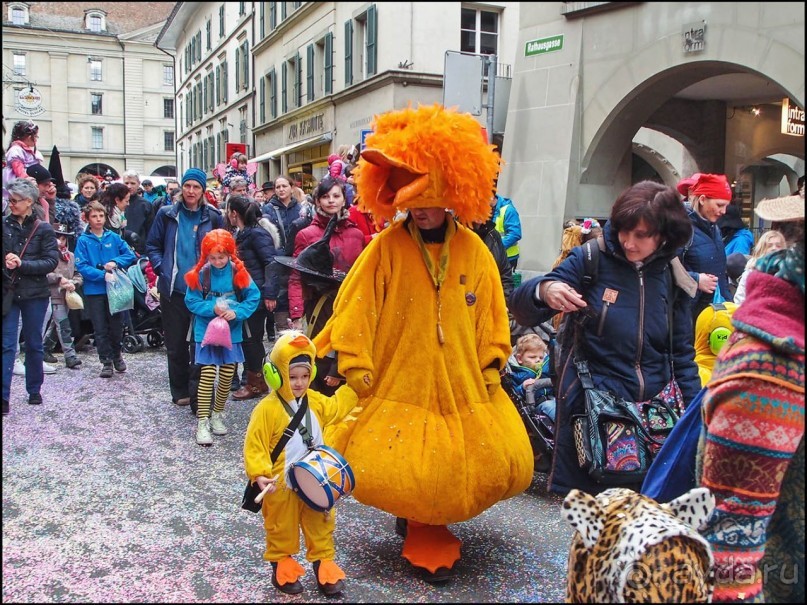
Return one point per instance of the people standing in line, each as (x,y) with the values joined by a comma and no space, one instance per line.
(284,512)
(634,287)
(770,241)
(281,210)
(139,213)
(704,256)
(63,279)
(751,450)
(508,224)
(218,286)
(421,331)
(737,237)
(173,247)
(100,251)
(313,300)
(26,268)
(20,155)
(256,248)
(115,200)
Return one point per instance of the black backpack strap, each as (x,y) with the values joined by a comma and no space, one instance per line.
(591,261)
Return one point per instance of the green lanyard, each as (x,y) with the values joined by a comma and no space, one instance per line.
(438,273)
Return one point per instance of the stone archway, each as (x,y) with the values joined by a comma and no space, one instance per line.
(99,169)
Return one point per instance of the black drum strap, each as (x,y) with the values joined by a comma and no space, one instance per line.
(303,410)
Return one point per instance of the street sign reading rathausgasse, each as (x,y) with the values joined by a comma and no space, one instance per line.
(543,45)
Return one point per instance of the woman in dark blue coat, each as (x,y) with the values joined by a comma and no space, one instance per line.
(625,337)
(257,249)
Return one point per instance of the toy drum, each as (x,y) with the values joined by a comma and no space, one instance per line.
(321,477)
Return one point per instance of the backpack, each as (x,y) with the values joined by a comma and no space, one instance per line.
(204,282)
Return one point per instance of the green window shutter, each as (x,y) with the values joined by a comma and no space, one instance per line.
(272,15)
(282,11)
(309,73)
(329,63)
(218,85)
(224,79)
(298,79)
(348,52)
(273,93)
(372,40)
(245,59)
(284,103)
(262,101)
(237,68)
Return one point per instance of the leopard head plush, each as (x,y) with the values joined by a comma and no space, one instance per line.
(628,548)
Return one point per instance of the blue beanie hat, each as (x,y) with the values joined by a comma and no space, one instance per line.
(195,174)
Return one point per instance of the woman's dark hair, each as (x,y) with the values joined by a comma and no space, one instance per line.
(22,129)
(326,184)
(246,208)
(111,194)
(661,209)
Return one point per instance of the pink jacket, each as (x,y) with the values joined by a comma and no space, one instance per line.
(346,244)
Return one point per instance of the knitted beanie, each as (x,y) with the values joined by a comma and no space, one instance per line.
(195,174)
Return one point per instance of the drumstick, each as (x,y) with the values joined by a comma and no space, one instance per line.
(266,489)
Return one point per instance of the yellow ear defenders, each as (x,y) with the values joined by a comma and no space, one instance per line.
(273,376)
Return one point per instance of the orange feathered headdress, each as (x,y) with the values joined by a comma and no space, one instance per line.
(219,240)
(427,157)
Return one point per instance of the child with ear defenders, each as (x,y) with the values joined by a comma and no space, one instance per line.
(237,166)
(218,286)
(289,373)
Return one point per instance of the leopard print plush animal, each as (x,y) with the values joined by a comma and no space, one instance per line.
(628,548)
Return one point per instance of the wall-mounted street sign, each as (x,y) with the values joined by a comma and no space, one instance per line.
(29,102)
(543,45)
(792,118)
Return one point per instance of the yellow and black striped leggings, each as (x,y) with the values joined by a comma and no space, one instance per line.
(207,381)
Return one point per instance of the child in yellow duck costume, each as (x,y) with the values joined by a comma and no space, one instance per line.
(284,512)
(712,330)
(422,332)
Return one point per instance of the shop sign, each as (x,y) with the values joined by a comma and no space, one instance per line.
(306,127)
(29,102)
(543,45)
(792,118)
(695,37)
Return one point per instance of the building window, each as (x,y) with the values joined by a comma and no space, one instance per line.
(244,50)
(168,75)
(242,126)
(328,61)
(348,52)
(272,15)
(361,37)
(168,140)
(209,33)
(309,74)
(221,21)
(19,64)
(242,9)
(95,21)
(96,103)
(96,74)
(479,31)
(19,15)
(97,137)
(272,77)
(168,108)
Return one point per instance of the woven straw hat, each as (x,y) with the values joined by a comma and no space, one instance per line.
(788,208)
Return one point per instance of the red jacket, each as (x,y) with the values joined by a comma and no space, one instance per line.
(364,222)
(346,244)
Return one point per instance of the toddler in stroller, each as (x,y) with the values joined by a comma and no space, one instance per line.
(527,380)
(144,318)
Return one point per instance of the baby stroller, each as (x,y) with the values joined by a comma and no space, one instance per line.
(540,427)
(144,319)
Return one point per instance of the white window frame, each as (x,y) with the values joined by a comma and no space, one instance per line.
(100,96)
(20,64)
(93,63)
(97,137)
(478,28)
(166,140)
(168,75)
(89,21)
(18,14)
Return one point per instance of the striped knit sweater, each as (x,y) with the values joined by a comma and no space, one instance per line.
(754,421)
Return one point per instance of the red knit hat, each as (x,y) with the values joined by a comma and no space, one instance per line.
(713,186)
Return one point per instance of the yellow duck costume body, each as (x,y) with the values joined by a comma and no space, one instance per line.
(712,330)
(285,513)
(438,440)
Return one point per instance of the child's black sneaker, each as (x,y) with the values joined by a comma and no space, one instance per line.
(120,365)
(34,399)
(106,371)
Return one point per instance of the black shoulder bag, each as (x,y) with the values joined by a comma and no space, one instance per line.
(252,490)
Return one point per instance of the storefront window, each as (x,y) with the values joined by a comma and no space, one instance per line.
(308,166)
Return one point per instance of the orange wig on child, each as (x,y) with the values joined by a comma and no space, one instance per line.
(219,240)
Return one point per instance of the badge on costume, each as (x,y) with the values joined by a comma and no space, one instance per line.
(470,299)
(610,295)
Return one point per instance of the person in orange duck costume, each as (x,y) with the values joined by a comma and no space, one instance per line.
(421,330)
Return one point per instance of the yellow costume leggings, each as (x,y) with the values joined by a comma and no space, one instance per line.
(284,514)
(207,380)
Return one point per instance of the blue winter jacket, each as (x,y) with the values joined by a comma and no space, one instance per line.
(743,242)
(92,251)
(706,254)
(221,281)
(625,343)
(161,243)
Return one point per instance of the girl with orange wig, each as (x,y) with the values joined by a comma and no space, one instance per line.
(218,286)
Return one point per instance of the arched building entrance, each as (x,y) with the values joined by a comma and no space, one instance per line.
(589,119)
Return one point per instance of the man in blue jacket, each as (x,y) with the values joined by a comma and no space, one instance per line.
(173,247)
(508,224)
